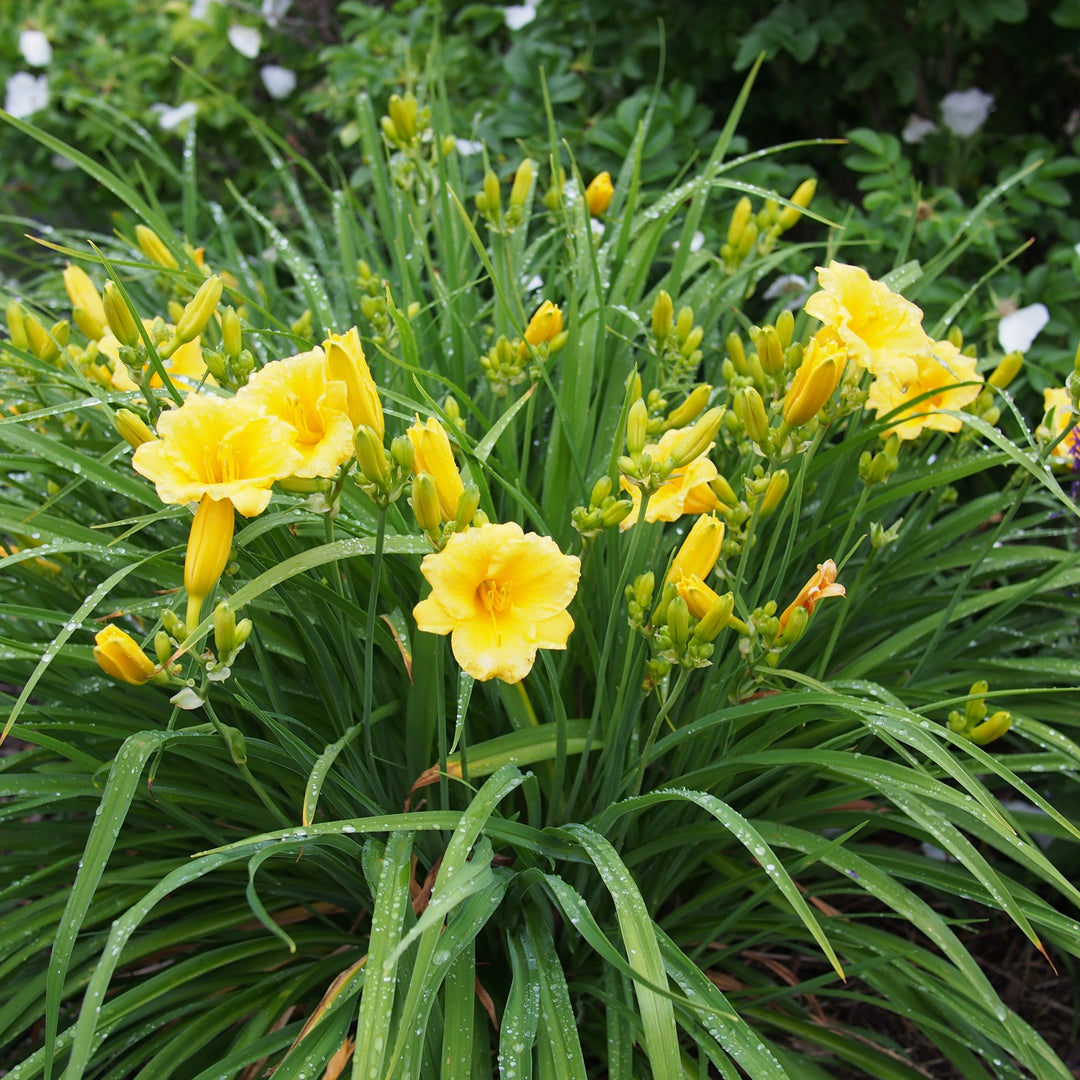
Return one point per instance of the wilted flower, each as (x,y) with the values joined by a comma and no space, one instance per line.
(963,112)
(1018,330)
(501,594)
(948,373)
(821,585)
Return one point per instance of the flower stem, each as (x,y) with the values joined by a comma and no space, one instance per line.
(369,633)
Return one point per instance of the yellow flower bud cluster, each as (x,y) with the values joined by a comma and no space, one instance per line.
(507,363)
(407,124)
(604,511)
(749,232)
(676,340)
(973,723)
(374,306)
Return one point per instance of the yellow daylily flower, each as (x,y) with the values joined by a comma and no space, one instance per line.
(545,324)
(1068,450)
(881,330)
(298,391)
(89,309)
(686,491)
(432,455)
(947,372)
(119,655)
(345,362)
(817,378)
(699,551)
(185,367)
(501,594)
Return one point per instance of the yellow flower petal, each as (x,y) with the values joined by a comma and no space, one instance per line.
(346,363)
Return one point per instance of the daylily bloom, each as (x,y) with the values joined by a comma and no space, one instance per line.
(223,453)
(345,361)
(686,491)
(947,372)
(881,330)
(599,194)
(545,324)
(119,655)
(501,594)
(298,391)
(817,378)
(185,367)
(1068,450)
(699,551)
(432,455)
(820,586)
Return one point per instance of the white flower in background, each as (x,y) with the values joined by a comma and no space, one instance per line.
(273,11)
(519,15)
(963,112)
(35,48)
(280,82)
(468,146)
(200,9)
(597,227)
(697,242)
(169,119)
(917,128)
(793,286)
(26,94)
(1018,330)
(534,284)
(246,40)
(63,164)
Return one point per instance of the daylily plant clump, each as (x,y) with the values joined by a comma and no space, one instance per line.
(548,652)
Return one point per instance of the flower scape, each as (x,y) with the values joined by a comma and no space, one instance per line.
(495,643)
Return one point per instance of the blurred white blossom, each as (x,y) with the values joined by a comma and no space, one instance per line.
(169,118)
(280,82)
(35,48)
(468,146)
(246,40)
(917,128)
(1019,329)
(963,112)
(519,15)
(26,94)
(794,286)
(201,8)
(273,11)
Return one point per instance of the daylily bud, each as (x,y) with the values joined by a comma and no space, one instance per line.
(132,428)
(693,340)
(991,729)
(345,362)
(785,327)
(803,194)
(778,484)
(716,618)
(523,179)
(697,440)
(235,743)
(40,341)
(1007,370)
(198,312)
(232,340)
(163,648)
(637,423)
(118,315)
(751,411)
(699,551)
(601,490)
(403,112)
(740,217)
(119,655)
(599,194)
(684,323)
(173,625)
(425,503)
(691,408)
(466,508)
(370,455)
(544,325)
(402,452)
(154,248)
(432,454)
(795,626)
(89,312)
(207,556)
(747,241)
(724,491)
(678,621)
(812,386)
(737,352)
(770,351)
(663,314)
(229,635)
(16,324)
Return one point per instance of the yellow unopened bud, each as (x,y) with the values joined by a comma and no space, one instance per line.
(697,596)
(716,618)
(599,194)
(545,324)
(232,333)
(132,428)
(699,439)
(778,484)
(991,729)
(690,409)
(118,315)
(813,385)
(785,327)
(154,248)
(746,241)
(523,179)
(40,341)
(740,218)
(466,508)
(492,204)
(89,311)
(678,621)
(119,655)
(663,315)
(198,312)
(724,491)
(684,323)
(163,648)
(432,454)
(789,216)
(737,352)
(750,409)
(1007,370)
(693,340)
(699,551)
(403,112)
(637,424)
(370,455)
(345,361)
(425,503)
(770,351)
(16,324)
(209,543)
(600,491)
